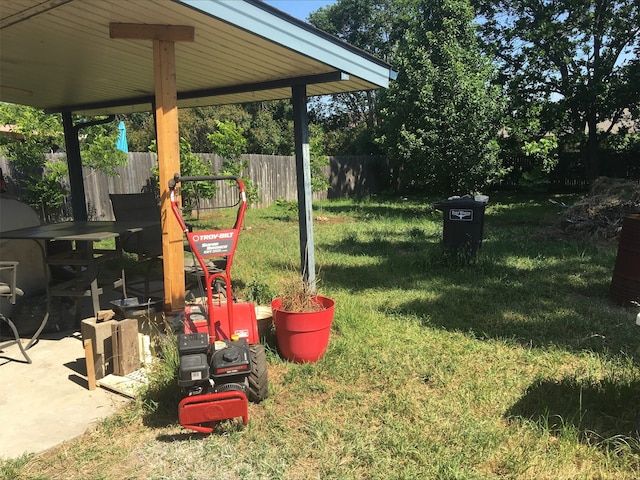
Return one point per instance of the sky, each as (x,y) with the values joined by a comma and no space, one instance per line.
(299,8)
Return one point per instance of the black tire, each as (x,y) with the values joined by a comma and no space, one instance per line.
(258,381)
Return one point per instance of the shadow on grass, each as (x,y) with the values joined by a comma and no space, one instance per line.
(536,292)
(393,210)
(603,412)
(537,311)
(358,210)
(503,208)
(181,437)
(223,427)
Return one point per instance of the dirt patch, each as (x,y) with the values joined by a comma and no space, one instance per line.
(601,213)
(325,219)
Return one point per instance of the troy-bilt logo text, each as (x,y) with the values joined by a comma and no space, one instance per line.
(213,243)
(213,236)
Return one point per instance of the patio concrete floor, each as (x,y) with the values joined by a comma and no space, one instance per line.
(47,402)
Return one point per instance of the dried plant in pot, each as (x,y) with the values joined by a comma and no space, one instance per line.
(296,295)
(302,321)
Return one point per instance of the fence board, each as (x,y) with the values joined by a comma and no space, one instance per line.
(274,175)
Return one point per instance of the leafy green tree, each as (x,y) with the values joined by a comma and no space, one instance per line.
(319,181)
(266,126)
(441,114)
(271,129)
(351,118)
(98,148)
(49,191)
(544,152)
(228,142)
(577,59)
(366,24)
(190,166)
(141,131)
(198,122)
(40,183)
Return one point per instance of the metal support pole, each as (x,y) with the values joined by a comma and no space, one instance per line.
(74,162)
(303,175)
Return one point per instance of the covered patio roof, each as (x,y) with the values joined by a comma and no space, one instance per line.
(58,55)
(114,56)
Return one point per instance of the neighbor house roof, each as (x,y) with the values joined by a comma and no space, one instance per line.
(59,55)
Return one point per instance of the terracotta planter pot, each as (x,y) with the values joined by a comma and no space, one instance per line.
(303,337)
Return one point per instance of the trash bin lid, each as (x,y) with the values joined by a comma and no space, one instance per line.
(458,203)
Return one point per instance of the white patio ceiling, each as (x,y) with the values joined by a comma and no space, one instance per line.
(58,55)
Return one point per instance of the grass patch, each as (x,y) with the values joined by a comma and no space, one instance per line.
(512,365)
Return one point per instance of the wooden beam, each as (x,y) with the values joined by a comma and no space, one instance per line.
(166,115)
(169,33)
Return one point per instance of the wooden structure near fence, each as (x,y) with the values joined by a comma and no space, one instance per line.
(274,175)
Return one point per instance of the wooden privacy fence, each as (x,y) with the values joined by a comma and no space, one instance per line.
(571,173)
(274,175)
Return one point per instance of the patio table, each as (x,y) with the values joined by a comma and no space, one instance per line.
(83,257)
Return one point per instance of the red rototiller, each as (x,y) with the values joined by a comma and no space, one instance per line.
(222,364)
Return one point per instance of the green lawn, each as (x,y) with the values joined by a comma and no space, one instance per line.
(513,365)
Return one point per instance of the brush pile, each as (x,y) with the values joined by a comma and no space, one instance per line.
(601,212)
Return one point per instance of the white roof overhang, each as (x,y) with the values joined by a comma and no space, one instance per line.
(58,55)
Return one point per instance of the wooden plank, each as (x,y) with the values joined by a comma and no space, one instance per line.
(128,385)
(124,335)
(135,31)
(101,343)
(91,371)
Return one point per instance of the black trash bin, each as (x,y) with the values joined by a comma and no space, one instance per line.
(463,223)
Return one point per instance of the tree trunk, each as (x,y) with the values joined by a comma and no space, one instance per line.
(593,148)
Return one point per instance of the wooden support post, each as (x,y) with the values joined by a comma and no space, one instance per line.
(91,370)
(166,115)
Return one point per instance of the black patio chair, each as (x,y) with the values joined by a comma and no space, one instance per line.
(11,291)
(146,245)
